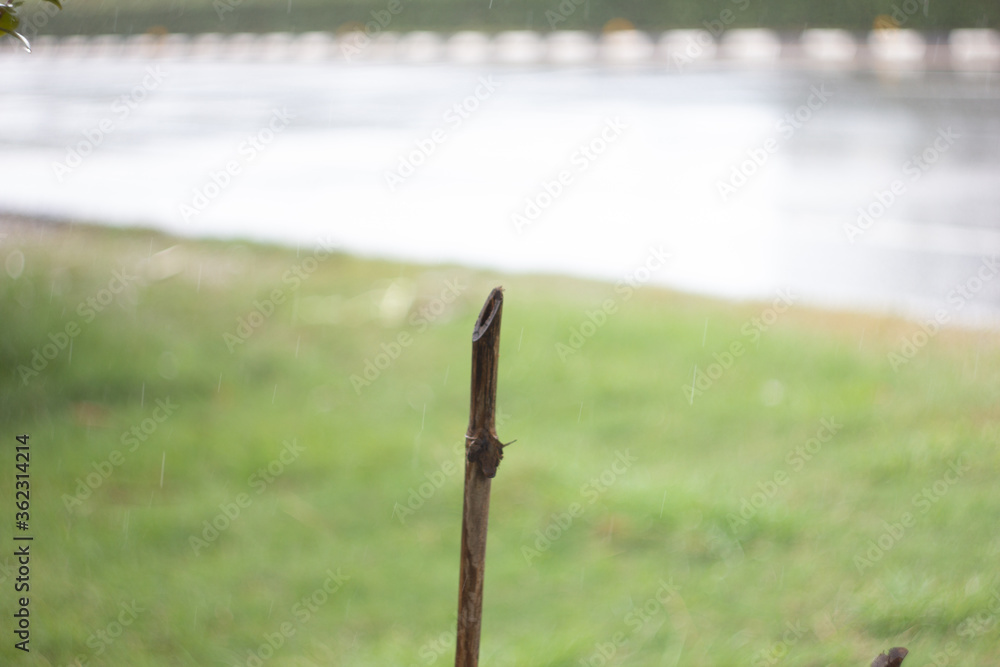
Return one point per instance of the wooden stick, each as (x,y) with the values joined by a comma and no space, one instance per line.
(483,452)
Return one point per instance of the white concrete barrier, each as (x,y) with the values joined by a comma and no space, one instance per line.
(142,45)
(208,46)
(351,46)
(755,46)
(421,47)
(42,46)
(571,47)
(276,46)
(107,46)
(357,46)
(74,46)
(469,47)
(10,47)
(518,47)
(175,46)
(626,47)
(974,49)
(888,49)
(681,48)
(383,46)
(314,46)
(895,48)
(829,47)
(242,46)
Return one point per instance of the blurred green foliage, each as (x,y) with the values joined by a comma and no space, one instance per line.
(10,20)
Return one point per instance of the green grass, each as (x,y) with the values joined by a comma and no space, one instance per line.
(786,570)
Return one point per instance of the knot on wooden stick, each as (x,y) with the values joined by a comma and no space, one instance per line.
(486,450)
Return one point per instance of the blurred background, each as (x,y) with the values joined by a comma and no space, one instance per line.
(244,243)
(848,155)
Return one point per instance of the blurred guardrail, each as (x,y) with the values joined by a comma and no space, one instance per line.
(898,49)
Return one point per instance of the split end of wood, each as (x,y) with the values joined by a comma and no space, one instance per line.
(492,306)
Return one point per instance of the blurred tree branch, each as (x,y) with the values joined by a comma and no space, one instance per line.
(10,21)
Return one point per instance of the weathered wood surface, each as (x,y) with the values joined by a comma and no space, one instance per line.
(483,454)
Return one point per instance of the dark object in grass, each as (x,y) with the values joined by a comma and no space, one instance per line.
(892,659)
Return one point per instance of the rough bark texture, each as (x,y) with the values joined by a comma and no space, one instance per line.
(483,454)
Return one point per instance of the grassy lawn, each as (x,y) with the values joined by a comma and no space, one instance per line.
(209,485)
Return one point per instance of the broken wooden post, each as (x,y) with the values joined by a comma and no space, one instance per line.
(483,452)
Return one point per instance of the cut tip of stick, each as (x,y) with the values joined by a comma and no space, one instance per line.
(493,305)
